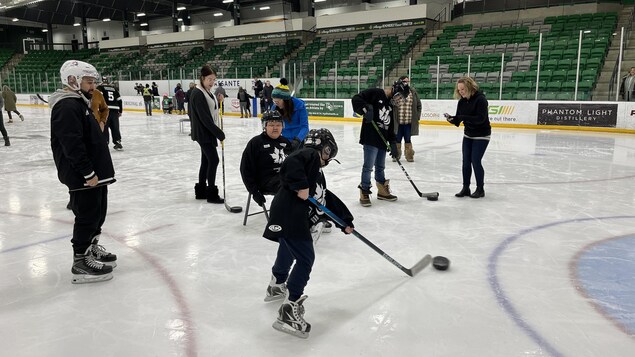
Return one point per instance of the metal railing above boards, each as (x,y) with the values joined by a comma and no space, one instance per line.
(337,79)
(563,69)
(615,83)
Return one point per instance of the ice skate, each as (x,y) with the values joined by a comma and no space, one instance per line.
(118,146)
(21,117)
(291,318)
(87,270)
(316,232)
(101,254)
(275,291)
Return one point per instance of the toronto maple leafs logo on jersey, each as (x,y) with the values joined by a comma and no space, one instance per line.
(278,156)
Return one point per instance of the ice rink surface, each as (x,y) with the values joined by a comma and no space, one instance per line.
(542,266)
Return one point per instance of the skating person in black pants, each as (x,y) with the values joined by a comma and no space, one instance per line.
(84,165)
(472,111)
(206,131)
(2,129)
(114,102)
(290,222)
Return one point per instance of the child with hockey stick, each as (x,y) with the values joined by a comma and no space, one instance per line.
(290,224)
(375,105)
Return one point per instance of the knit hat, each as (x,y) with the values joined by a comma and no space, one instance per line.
(282,90)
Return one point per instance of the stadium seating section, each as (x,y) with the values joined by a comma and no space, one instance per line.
(506,53)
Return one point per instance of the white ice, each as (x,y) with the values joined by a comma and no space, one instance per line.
(191,278)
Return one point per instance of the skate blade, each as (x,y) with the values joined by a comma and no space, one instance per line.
(85,279)
(274,298)
(282,327)
(110,264)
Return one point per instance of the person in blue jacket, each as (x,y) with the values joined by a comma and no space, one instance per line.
(293,111)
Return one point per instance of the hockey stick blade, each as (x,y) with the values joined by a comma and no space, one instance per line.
(431,196)
(410,272)
(40,98)
(233,209)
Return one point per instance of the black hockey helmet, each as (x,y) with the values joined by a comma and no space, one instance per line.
(400,88)
(270,115)
(323,141)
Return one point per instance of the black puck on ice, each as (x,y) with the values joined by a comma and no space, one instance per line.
(440,263)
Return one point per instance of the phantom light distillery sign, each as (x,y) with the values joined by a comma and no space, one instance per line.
(597,115)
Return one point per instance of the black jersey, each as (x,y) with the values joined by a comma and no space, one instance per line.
(112,96)
(292,217)
(383,116)
(261,162)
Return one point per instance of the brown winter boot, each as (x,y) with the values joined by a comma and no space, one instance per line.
(398,153)
(410,153)
(364,196)
(383,192)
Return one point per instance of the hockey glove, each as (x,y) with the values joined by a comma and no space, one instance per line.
(369,114)
(393,150)
(295,144)
(259,198)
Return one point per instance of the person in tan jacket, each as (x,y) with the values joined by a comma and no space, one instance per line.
(99,108)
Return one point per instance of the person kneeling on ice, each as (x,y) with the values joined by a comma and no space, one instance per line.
(290,222)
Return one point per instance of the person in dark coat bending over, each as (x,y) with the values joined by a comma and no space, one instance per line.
(292,217)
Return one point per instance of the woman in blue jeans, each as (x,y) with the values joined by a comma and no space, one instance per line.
(472,111)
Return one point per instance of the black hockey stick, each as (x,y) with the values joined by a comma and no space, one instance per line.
(424,262)
(232,209)
(40,98)
(431,196)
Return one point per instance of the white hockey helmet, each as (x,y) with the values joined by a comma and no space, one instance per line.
(72,72)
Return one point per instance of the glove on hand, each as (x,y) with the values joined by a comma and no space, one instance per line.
(259,198)
(295,144)
(393,150)
(370,113)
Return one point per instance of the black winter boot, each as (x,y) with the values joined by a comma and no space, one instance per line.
(464,192)
(200,191)
(6,141)
(212,195)
(478,193)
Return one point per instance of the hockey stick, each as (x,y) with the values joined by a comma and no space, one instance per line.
(431,196)
(232,209)
(40,98)
(424,262)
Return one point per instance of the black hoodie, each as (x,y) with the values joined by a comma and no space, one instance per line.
(473,113)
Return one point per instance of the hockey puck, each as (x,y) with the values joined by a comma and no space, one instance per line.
(440,263)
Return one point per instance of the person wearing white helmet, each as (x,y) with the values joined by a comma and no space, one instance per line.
(84,165)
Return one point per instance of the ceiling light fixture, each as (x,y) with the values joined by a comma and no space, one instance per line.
(181,8)
(141,14)
(106,19)
(265,8)
(77,24)
(218,14)
(15,19)
(143,24)
(227,1)
(45,30)
(319,1)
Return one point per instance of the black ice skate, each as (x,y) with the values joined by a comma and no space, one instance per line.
(101,254)
(118,146)
(275,291)
(291,318)
(87,270)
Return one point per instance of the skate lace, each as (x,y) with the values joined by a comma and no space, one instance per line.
(92,263)
(99,250)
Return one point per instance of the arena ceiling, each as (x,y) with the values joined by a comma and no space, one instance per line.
(67,12)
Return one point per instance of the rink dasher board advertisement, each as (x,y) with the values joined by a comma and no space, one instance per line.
(618,115)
